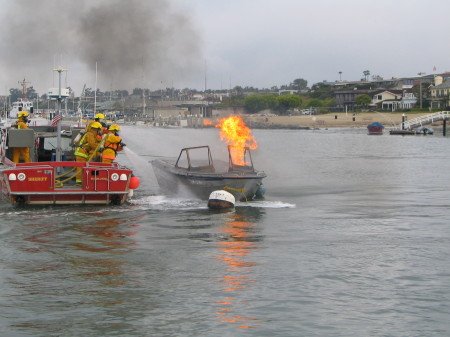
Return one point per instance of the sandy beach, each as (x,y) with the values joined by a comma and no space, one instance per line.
(331,120)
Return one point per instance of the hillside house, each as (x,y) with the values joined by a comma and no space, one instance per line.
(440,93)
(394,100)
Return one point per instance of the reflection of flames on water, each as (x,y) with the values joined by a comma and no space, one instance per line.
(237,134)
(233,254)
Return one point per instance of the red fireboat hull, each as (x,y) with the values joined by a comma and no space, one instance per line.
(40,183)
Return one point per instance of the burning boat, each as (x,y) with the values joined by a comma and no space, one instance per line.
(195,172)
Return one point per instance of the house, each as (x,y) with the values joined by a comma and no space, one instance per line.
(346,98)
(440,93)
(394,100)
(386,95)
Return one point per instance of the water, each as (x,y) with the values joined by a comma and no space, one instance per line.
(353,239)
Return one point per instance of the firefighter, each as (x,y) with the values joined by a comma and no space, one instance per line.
(21,151)
(113,144)
(85,151)
(99,118)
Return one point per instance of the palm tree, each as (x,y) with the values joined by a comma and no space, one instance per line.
(366,74)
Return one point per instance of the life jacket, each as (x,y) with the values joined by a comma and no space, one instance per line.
(79,146)
(116,146)
(82,150)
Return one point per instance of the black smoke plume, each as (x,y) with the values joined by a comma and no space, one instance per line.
(135,43)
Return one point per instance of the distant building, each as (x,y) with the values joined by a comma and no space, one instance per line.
(287,92)
(346,99)
(440,93)
(406,100)
(391,96)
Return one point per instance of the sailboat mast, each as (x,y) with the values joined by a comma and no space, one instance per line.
(95,90)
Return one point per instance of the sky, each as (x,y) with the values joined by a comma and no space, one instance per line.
(218,44)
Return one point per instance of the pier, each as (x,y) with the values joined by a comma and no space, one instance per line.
(408,126)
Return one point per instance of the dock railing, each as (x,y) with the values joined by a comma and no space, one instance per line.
(423,120)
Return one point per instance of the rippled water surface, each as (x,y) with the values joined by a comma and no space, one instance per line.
(353,239)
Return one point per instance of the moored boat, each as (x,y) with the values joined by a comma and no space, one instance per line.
(375,129)
(22,104)
(425,130)
(195,174)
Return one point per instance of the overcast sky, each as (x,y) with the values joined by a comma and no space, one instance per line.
(259,43)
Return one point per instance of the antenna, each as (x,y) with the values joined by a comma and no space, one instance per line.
(95,90)
(58,115)
(205,76)
(24,87)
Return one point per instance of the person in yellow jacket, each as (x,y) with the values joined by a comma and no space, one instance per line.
(21,151)
(113,144)
(86,148)
(99,118)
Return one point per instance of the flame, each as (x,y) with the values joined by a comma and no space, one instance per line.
(207,122)
(237,134)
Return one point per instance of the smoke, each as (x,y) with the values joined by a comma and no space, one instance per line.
(135,43)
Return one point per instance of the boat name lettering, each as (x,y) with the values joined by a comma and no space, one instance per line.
(37,178)
(106,179)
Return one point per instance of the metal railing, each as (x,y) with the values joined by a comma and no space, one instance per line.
(423,120)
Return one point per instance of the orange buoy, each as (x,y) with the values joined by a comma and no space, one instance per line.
(134,182)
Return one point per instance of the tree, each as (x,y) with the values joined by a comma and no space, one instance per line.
(15,94)
(255,103)
(366,74)
(286,102)
(238,90)
(315,103)
(322,91)
(363,100)
(31,93)
(299,84)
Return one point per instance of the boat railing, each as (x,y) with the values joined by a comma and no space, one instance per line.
(247,160)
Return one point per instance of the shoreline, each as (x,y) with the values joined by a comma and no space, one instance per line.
(330,120)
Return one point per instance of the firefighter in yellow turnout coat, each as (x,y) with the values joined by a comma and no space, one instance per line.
(113,144)
(87,146)
(21,151)
(99,118)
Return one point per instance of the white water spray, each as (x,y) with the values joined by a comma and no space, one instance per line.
(142,169)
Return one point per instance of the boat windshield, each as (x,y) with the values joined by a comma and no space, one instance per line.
(195,158)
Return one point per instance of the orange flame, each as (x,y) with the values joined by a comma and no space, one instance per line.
(237,134)
(207,122)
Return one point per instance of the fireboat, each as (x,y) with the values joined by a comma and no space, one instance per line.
(49,179)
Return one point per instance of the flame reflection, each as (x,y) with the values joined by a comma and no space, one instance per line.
(207,122)
(234,254)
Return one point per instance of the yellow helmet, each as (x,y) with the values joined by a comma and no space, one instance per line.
(99,116)
(23,114)
(96,125)
(114,127)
